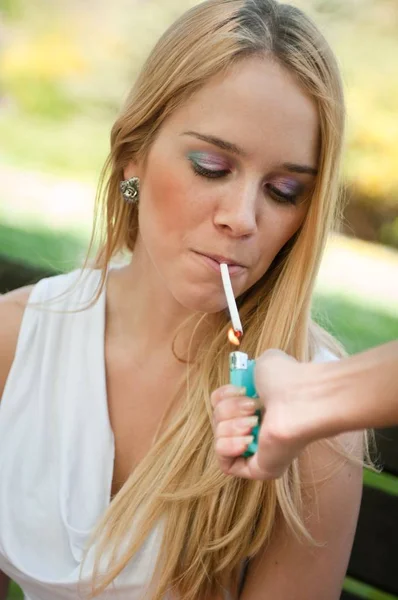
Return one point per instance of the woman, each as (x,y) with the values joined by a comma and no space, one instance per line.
(304,402)
(230,141)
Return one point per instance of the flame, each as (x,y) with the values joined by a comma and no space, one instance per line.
(234,336)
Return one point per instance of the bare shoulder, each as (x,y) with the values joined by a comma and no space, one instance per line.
(12,307)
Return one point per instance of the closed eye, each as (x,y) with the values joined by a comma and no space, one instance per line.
(276,193)
(209,173)
(282,197)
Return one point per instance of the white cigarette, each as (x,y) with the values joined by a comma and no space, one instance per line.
(233,309)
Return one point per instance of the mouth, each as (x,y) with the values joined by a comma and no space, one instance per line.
(215,260)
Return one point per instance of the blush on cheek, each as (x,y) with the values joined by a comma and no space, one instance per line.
(165,198)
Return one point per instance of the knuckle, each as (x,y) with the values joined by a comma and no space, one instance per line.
(221,411)
(224,469)
(224,447)
(218,394)
(214,398)
(229,408)
(237,445)
(219,446)
(216,414)
(218,430)
(223,429)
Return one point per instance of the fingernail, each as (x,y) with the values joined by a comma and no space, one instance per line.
(246,423)
(247,407)
(233,391)
(248,439)
(250,421)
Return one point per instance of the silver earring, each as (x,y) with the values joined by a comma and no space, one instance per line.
(130,189)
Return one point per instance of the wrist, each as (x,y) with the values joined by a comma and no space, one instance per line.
(322,414)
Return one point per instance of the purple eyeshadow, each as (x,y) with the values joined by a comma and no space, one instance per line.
(208,161)
(287,186)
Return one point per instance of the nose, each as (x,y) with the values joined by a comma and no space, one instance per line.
(236,212)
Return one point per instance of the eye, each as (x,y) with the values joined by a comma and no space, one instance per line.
(208,165)
(282,197)
(199,170)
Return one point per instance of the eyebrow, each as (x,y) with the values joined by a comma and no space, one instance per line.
(230,147)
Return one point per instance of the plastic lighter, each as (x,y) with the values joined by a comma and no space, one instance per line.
(241,370)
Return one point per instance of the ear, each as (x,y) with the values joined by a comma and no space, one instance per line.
(132,170)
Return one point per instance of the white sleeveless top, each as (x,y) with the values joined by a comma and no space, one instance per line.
(57,448)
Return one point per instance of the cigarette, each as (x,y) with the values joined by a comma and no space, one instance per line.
(229,293)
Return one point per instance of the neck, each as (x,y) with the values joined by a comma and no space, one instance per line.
(144,317)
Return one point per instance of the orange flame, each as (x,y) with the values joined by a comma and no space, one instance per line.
(234,336)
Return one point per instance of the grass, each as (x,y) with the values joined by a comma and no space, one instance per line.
(355,325)
(39,246)
(381,481)
(367,592)
(14,592)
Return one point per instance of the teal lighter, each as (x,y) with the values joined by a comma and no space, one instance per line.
(241,368)
(241,374)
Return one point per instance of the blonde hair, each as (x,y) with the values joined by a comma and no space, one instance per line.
(212,522)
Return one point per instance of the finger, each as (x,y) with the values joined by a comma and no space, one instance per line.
(237,465)
(226,391)
(229,454)
(233,408)
(236,427)
(248,468)
(230,449)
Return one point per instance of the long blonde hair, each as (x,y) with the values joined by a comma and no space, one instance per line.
(212,522)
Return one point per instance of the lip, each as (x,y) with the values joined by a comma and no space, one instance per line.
(214,261)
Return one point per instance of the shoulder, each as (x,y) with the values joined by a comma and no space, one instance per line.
(12,308)
(64,292)
(323,346)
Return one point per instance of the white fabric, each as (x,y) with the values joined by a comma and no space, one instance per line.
(57,448)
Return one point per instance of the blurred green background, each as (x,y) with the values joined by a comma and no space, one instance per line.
(66,67)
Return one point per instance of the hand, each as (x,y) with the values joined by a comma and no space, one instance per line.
(281,383)
(233,419)
(282,434)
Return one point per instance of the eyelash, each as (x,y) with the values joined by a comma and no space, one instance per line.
(199,170)
(282,198)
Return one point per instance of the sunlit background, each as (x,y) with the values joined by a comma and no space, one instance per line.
(66,67)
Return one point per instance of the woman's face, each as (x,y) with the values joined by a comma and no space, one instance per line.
(228,178)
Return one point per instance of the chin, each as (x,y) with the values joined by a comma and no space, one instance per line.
(198,302)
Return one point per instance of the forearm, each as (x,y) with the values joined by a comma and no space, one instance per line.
(304,402)
(4,583)
(356,393)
